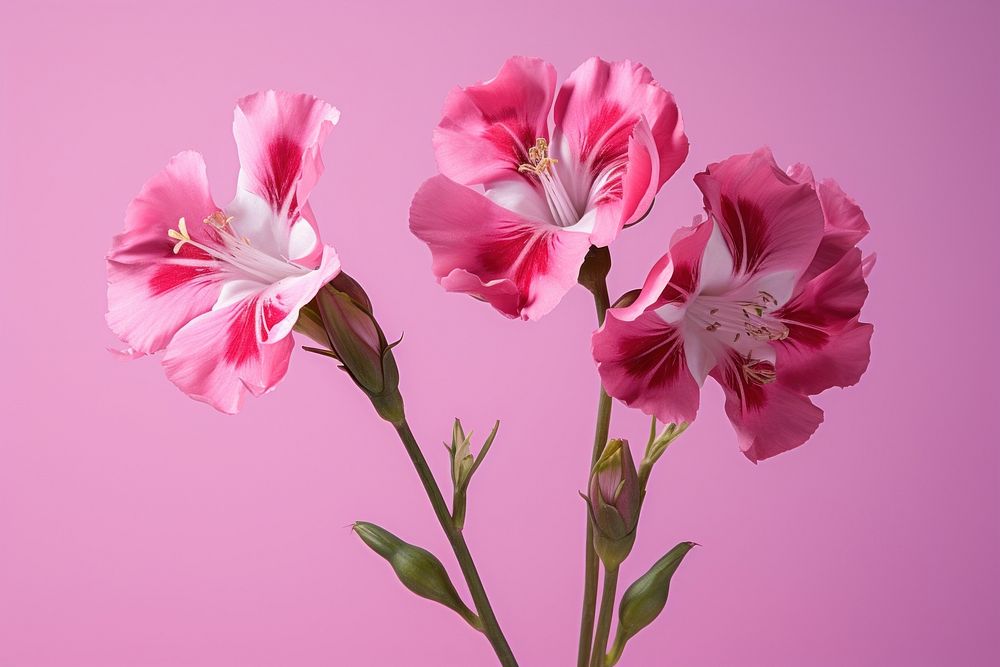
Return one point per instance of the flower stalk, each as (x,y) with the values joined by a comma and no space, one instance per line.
(600,647)
(341,318)
(491,627)
(593,276)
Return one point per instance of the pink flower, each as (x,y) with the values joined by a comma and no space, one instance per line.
(542,199)
(220,288)
(764,296)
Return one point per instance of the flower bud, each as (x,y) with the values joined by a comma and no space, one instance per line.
(418,569)
(643,601)
(463,466)
(614,501)
(341,318)
(462,460)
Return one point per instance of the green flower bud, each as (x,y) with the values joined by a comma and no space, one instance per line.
(418,569)
(462,460)
(614,501)
(643,601)
(463,466)
(340,318)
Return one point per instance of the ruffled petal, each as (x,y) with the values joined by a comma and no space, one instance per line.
(844,221)
(675,276)
(286,297)
(487,129)
(769,418)
(621,195)
(599,105)
(768,221)
(217,358)
(243,345)
(522,267)
(153,292)
(278,136)
(643,364)
(827,346)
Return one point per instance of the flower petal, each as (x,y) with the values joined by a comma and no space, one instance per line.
(768,221)
(217,358)
(826,346)
(844,221)
(621,195)
(675,276)
(643,364)
(153,292)
(769,418)
(243,345)
(289,295)
(487,128)
(600,103)
(473,239)
(278,136)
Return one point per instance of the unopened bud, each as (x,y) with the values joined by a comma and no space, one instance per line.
(463,466)
(418,569)
(340,318)
(643,601)
(614,500)
(462,460)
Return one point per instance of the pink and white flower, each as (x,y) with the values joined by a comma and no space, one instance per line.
(219,289)
(518,206)
(764,295)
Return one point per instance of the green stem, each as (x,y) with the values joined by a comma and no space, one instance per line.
(489,620)
(604,618)
(602,302)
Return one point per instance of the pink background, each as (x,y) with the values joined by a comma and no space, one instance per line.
(138,528)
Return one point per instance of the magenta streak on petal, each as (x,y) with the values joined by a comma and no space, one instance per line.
(271,315)
(747,231)
(285,157)
(168,276)
(241,346)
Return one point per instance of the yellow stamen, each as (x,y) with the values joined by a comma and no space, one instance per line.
(181,236)
(219,220)
(538,158)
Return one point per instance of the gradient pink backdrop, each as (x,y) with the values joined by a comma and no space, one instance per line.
(138,528)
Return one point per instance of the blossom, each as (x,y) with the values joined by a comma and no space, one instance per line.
(517,207)
(764,295)
(220,289)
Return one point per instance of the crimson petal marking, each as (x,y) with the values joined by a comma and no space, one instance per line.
(769,221)
(487,128)
(827,346)
(471,236)
(769,419)
(642,363)
(278,137)
(223,374)
(599,104)
(169,275)
(152,292)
